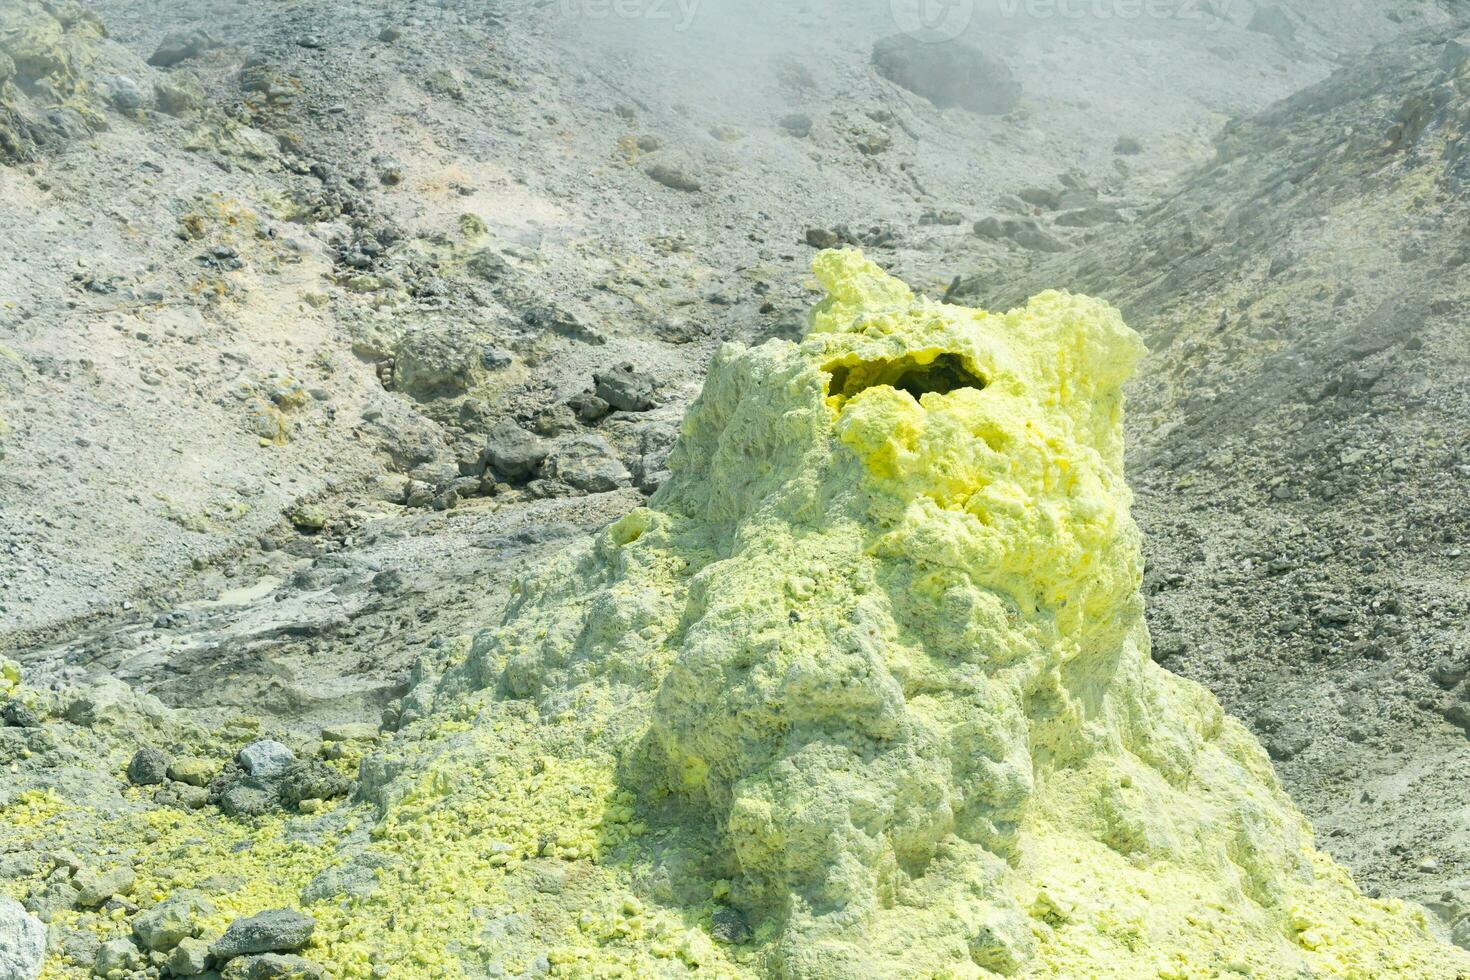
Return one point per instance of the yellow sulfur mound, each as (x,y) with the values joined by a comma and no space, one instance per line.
(875,663)
(864,692)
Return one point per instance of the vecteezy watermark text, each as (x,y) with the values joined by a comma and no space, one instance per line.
(933,20)
(1209,11)
(944,20)
(678,13)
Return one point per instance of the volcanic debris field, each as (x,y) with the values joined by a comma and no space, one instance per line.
(512,489)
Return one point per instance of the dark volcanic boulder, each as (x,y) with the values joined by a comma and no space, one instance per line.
(950,73)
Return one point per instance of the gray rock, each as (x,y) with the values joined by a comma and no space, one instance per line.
(189,958)
(655,445)
(123,93)
(1025,232)
(311,779)
(589,464)
(240,799)
(117,958)
(95,887)
(22,942)
(272,931)
(14,714)
(178,46)
(418,494)
(148,767)
(728,926)
(436,362)
(625,389)
(78,945)
(179,94)
(798,124)
(674,177)
(554,421)
(182,795)
(1089,217)
(588,407)
(950,73)
(513,452)
(266,759)
(58,895)
(1454,54)
(1272,21)
(165,925)
(822,238)
(272,966)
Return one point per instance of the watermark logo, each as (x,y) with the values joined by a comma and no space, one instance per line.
(678,14)
(933,21)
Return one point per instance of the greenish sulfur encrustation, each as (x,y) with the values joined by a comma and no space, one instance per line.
(879,647)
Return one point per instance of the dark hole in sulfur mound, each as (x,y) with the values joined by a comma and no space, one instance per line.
(944,374)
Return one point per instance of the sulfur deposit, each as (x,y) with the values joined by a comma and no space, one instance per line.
(864,692)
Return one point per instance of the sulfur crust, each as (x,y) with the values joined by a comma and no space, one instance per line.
(871,670)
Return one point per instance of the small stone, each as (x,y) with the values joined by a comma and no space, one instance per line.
(179,94)
(77,945)
(266,759)
(441,81)
(1272,21)
(14,714)
(272,931)
(588,463)
(272,966)
(189,958)
(418,494)
(513,452)
(178,46)
(554,421)
(390,171)
(165,925)
(390,34)
(95,887)
(941,217)
(182,795)
(588,407)
(1127,146)
(728,926)
(192,770)
(1025,232)
(821,238)
(309,517)
(310,779)
(22,942)
(117,958)
(148,767)
(352,731)
(798,124)
(123,93)
(674,177)
(625,389)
